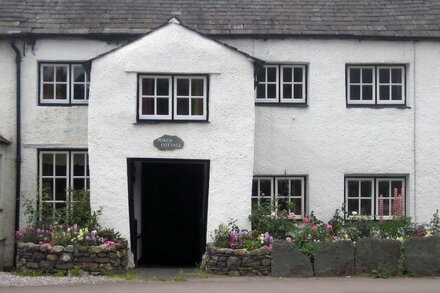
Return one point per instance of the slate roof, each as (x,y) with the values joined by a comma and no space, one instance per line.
(327,18)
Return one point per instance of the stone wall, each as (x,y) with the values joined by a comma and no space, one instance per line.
(94,260)
(237,262)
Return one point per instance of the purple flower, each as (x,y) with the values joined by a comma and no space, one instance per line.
(234,236)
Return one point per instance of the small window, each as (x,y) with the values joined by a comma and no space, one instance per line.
(375,197)
(63,84)
(375,85)
(190,98)
(280,193)
(59,172)
(80,84)
(169,97)
(281,84)
(155,97)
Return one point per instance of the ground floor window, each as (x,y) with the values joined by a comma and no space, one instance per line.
(278,192)
(375,197)
(61,171)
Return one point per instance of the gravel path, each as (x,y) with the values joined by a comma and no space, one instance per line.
(12,280)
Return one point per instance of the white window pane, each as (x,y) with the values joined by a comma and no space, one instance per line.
(48,91)
(353,188)
(79,164)
(61,91)
(163,106)
(148,86)
(196,106)
(197,87)
(355,75)
(265,187)
(61,73)
(79,74)
(48,73)
(61,164)
(148,106)
(298,74)
(182,106)
(396,75)
(287,74)
(271,74)
(182,87)
(47,161)
(366,188)
(283,187)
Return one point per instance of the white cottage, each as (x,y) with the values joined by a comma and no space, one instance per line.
(179,116)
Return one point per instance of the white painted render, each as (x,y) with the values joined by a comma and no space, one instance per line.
(227,140)
(51,127)
(327,140)
(7,153)
(324,141)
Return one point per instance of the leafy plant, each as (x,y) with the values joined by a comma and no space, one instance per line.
(379,274)
(278,224)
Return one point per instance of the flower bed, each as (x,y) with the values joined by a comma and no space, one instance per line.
(237,262)
(94,260)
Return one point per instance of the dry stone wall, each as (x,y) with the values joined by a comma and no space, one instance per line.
(94,260)
(237,262)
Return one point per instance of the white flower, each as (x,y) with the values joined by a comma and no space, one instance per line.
(354,213)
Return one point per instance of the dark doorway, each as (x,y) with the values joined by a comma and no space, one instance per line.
(174,208)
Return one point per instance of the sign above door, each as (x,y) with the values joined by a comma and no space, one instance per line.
(168,143)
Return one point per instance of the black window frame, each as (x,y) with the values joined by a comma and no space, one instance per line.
(69,102)
(376,66)
(172,97)
(279,100)
(374,206)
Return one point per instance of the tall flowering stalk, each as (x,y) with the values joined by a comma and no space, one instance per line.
(398,205)
(381,209)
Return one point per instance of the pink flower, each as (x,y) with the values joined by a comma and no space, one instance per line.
(336,238)
(329,227)
(305,220)
(315,228)
(291,216)
(270,247)
(288,240)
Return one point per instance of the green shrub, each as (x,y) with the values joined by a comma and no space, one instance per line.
(277,224)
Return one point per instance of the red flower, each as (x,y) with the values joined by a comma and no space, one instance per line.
(305,220)
(315,228)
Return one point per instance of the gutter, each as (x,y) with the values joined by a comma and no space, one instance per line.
(18,142)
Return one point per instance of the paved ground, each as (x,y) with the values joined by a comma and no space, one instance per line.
(254,285)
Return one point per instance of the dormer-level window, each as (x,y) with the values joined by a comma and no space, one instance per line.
(281,84)
(63,84)
(382,85)
(173,97)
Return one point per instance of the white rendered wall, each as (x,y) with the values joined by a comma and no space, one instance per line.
(7,152)
(51,126)
(327,140)
(427,105)
(227,140)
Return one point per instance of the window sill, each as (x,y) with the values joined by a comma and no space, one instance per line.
(294,105)
(61,105)
(140,122)
(378,106)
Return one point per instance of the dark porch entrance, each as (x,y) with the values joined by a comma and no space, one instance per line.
(168,209)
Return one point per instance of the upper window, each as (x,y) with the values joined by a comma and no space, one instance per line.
(169,97)
(375,197)
(278,192)
(63,83)
(375,85)
(281,84)
(59,172)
